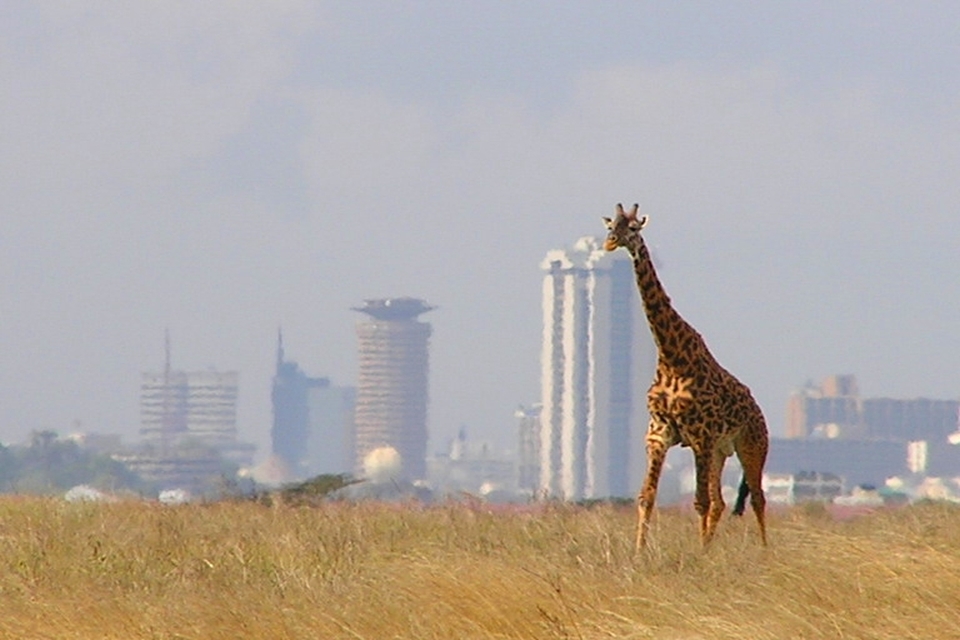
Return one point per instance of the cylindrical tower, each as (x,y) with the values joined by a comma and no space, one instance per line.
(391,402)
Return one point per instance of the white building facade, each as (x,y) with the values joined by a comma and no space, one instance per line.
(597,361)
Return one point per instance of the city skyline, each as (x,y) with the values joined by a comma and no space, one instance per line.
(439,441)
(224,169)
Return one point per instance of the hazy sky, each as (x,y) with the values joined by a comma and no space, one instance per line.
(223,168)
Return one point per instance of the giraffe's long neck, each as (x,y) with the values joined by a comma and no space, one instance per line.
(670,331)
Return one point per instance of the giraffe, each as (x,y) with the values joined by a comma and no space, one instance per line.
(693,401)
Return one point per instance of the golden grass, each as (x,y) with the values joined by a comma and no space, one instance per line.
(238,570)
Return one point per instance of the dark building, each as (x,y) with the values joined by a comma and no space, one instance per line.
(943,459)
(919,419)
(290,434)
(856,461)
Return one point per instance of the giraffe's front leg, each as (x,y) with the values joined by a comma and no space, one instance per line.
(657,446)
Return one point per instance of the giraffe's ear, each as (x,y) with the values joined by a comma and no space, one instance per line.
(608,223)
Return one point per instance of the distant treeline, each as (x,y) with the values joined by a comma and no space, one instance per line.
(48,464)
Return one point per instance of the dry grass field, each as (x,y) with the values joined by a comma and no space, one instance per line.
(244,570)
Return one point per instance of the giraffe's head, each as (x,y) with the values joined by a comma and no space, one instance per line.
(624,228)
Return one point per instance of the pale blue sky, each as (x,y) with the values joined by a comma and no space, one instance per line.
(222,168)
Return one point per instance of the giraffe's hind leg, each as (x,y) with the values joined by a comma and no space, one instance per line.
(752,453)
(715,489)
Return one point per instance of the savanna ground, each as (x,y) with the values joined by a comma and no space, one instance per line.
(245,570)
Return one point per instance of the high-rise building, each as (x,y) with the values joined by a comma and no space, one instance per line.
(163,406)
(392,387)
(312,422)
(528,451)
(597,361)
(199,405)
(290,432)
(330,441)
(188,428)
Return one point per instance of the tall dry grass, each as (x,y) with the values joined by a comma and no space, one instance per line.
(229,570)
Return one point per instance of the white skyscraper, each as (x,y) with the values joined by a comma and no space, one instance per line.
(597,363)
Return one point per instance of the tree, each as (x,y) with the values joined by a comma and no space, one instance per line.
(51,465)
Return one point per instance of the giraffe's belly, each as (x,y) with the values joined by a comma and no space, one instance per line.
(725,445)
(691,430)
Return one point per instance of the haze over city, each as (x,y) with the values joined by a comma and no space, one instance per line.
(223,169)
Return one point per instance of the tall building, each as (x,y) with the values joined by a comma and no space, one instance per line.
(330,441)
(392,388)
(528,451)
(188,428)
(163,406)
(312,422)
(597,362)
(291,428)
(196,405)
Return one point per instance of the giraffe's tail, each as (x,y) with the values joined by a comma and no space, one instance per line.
(741,497)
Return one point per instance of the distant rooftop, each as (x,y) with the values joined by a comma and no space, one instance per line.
(394,308)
